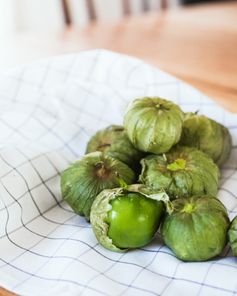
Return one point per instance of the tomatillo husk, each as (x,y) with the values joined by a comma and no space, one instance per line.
(208,136)
(182,172)
(114,142)
(197,228)
(153,124)
(87,177)
(232,233)
(127,218)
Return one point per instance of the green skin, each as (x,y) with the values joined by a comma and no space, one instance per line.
(133,220)
(207,135)
(127,218)
(114,142)
(197,228)
(86,178)
(232,234)
(182,172)
(153,124)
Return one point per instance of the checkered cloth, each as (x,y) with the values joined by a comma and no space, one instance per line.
(48,112)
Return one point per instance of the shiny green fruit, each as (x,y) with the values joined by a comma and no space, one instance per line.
(114,142)
(232,233)
(181,172)
(207,135)
(133,220)
(153,124)
(197,228)
(87,177)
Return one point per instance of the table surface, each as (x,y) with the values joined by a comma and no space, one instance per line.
(198,44)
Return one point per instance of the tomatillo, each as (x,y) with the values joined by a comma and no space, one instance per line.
(127,218)
(182,172)
(113,141)
(197,228)
(208,136)
(153,124)
(87,177)
(232,234)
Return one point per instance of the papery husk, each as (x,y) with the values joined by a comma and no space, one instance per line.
(197,228)
(114,142)
(207,135)
(153,124)
(232,234)
(182,172)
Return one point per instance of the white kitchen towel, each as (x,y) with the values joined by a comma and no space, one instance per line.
(48,112)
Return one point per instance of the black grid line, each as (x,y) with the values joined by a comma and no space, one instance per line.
(72,258)
(31,160)
(29,190)
(42,214)
(123,262)
(23,223)
(172,278)
(47,278)
(141,270)
(54,256)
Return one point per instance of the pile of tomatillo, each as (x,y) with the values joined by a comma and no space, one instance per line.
(158,171)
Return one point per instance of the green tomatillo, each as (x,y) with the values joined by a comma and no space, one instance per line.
(127,218)
(87,177)
(153,124)
(232,233)
(114,142)
(182,172)
(207,135)
(197,228)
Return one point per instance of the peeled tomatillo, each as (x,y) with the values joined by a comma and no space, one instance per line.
(133,220)
(127,218)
